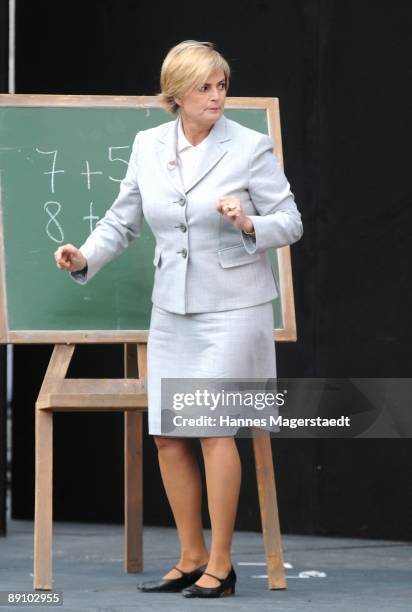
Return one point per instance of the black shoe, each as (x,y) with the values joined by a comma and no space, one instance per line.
(172,585)
(226,587)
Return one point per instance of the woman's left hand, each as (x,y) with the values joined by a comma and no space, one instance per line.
(230,208)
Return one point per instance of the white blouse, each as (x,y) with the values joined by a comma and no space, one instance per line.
(188,155)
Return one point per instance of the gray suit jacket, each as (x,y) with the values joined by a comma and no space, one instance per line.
(202,262)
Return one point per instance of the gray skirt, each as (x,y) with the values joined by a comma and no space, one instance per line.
(183,350)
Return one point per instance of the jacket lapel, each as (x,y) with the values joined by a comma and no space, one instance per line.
(217,147)
(167,151)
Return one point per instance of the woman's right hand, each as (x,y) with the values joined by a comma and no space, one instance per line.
(69,258)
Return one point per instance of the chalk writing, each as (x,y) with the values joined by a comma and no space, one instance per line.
(88,174)
(91,217)
(53,219)
(53,171)
(111,158)
(52,208)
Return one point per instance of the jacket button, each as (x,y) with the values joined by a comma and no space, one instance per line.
(183,227)
(182,201)
(183,252)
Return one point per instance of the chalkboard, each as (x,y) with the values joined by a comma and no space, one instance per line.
(61,162)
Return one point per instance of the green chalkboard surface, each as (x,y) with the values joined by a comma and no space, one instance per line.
(60,168)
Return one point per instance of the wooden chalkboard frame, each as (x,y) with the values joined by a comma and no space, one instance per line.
(8,336)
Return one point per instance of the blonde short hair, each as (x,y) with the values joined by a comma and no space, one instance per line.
(186,67)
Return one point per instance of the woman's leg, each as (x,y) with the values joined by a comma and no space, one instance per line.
(223,477)
(182,481)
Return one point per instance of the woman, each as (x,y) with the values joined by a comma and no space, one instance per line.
(216,199)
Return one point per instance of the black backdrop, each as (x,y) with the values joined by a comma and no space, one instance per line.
(4,42)
(340,70)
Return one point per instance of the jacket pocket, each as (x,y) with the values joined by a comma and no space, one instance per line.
(232,256)
(157,254)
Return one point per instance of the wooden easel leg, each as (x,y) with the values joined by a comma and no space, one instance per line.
(269,509)
(43,509)
(133,472)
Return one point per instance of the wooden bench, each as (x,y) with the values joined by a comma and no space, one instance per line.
(128,395)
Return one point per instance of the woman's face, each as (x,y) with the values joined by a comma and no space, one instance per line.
(205,105)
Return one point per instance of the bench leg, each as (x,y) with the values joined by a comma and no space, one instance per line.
(134,367)
(265,476)
(43,508)
(133,504)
